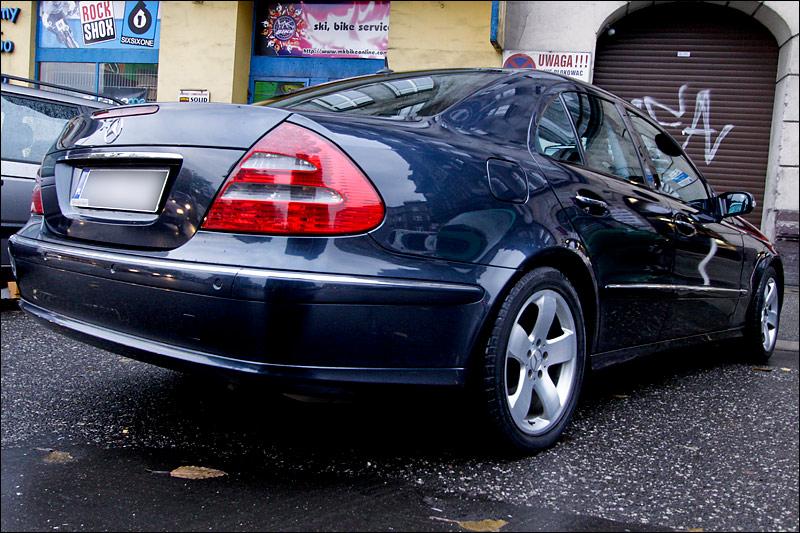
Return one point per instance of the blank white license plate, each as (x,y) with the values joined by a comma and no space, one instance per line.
(120,189)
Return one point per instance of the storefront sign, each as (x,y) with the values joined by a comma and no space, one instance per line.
(573,64)
(97,22)
(138,24)
(129,95)
(341,30)
(194,95)
(10,14)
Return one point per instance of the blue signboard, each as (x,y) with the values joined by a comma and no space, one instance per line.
(99,25)
(139,24)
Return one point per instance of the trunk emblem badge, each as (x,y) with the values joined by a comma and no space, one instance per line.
(112,128)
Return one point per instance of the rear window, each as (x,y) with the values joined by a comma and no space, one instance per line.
(30,127)
(399,98)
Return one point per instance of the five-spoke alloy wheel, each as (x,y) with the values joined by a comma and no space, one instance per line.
(534,360)
(540,362)
(769,315)
(763,318)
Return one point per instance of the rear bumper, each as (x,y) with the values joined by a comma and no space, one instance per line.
(288,325)
(183,359)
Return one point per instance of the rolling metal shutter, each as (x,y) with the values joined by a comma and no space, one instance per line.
(705,72)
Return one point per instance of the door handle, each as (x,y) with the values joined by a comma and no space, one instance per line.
(592,206)
(684,225)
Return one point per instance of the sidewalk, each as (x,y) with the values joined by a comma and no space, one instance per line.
(788,333)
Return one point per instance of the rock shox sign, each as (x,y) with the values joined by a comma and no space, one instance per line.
(139,24)
(97,22)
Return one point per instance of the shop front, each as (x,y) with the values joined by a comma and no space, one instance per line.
(105,47)
(300,44)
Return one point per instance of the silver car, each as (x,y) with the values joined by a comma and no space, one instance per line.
(31,121)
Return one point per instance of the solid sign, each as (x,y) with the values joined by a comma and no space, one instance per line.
(194,95)
(342,30)
(573,64)
(139,24)
(97,21)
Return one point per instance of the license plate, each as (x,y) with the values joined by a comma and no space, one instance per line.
(120,189)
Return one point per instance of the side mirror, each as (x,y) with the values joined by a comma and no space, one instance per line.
(668,145)
(733,204)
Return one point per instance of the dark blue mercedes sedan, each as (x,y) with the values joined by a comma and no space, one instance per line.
(498,230)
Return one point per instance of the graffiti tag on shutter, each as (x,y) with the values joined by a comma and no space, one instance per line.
(702,113)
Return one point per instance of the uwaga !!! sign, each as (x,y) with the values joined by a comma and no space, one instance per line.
(97,22)
(573,64)
(9,14)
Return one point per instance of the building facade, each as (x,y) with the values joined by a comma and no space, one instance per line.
(722,77)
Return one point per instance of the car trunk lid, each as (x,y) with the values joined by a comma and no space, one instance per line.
(145,180)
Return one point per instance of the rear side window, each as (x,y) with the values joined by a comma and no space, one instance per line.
(408,98)
(676,175)
(606,141)
(31,126)
(554,136)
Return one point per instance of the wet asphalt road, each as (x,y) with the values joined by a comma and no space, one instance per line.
(697,439)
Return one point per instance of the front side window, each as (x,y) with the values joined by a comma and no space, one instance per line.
(30,127)
(554,136)
(606,141)
(676,176)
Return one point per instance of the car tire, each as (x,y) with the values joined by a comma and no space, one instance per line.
(763,318)
(535,354)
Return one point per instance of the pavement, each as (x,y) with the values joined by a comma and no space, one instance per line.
(698,439)
(789,334)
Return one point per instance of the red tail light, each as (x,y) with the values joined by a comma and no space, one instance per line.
(295,182)
(36,198)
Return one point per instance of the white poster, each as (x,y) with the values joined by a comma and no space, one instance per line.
(576,65)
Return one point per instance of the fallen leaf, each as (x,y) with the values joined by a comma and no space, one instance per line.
(488,524)
(762,368)
(56,457)
(696,529)
(196,472)
(482,525)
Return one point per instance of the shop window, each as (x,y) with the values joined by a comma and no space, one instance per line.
(130,82)
(265,89)
(81,76)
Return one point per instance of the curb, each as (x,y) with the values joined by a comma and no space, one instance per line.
(788,346)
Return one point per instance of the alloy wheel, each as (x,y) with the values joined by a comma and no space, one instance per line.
(540,362)
(769,315)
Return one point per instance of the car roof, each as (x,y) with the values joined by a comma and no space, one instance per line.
(53,96)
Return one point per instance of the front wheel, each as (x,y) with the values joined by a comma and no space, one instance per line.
(761,330)
(534,361)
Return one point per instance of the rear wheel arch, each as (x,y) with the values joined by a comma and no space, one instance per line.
(575,269)
(581,276)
